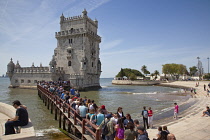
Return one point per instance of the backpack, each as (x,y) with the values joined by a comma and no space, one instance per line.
(145,113)
(105,129)
(163,135)
(120,133)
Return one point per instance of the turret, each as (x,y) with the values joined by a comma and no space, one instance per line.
(17,66)
(84,13)
(99,66)
(96,22)
(52,64)
(10,69)
(33,65)
(62,18)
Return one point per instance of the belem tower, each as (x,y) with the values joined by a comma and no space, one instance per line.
(76,57)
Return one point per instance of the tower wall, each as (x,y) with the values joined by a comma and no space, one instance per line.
(78,50)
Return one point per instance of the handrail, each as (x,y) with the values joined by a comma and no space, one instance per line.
(71,113)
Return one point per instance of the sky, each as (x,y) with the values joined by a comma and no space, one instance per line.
(134,32)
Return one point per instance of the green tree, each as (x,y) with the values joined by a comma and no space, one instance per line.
(152,74)
(207,76)
(193,70)
(129,73)
(132,76)
(156,73)
(174,69)
(121,73)
(144,70)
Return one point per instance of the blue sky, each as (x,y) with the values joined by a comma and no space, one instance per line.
(134,32)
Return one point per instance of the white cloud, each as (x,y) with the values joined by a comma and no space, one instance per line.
(110,45)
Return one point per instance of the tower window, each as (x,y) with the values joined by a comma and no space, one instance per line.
(70,41)
(84,63)
(92,64)
(72,30)
(22,81)
(69,63)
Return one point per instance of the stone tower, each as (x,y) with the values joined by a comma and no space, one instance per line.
(75,59)
(77,51)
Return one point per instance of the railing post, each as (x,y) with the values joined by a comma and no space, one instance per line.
(51,107)
(64,122)
(98,137)
(69,126)
(83,126)
(56,112)
(45,100)
(48,103)
(59,103)
(75,120)
(68,112)
(64,108)
(59,119)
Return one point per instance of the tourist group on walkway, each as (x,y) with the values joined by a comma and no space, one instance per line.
(117,125)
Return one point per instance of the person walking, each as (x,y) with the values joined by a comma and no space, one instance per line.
(130,133)
(120,113)
(176,110)
(110,127)
(72,91)
(120,129)
(141,132)
(204,87)
(150,117)
(82,111)
(207,93)
(20,119)
(127,120)
(144,113)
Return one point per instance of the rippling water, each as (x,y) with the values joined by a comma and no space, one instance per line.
(131,98)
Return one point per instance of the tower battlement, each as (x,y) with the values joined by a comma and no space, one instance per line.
(82,18)
(77,32)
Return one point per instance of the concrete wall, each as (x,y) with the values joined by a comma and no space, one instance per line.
(27,132)
(7,110)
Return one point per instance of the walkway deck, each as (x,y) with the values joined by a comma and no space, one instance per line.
(68,118)
(190,125)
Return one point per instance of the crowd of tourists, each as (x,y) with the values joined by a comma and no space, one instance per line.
(117,125)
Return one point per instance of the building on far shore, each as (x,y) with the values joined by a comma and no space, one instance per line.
(76,57)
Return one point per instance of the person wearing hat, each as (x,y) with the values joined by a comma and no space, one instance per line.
(141,132)
(110,135)
(103,108)
(20,119)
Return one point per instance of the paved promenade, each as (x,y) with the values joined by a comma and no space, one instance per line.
(190,125)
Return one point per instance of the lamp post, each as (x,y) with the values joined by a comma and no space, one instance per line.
(198,67)
(208,64)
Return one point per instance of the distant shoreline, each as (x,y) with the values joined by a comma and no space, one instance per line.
(136,82)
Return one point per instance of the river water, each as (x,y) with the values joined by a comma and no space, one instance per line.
(130,98)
